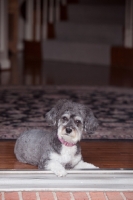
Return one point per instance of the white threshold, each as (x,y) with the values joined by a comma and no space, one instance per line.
(81,180)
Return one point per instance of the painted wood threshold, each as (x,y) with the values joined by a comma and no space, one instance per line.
(81,180)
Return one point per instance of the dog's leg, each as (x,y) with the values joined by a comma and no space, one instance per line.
(57,168)
(84,165)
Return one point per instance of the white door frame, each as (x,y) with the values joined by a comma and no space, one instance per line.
(81,180)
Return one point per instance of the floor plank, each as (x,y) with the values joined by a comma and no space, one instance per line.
(103,153)
(109,153)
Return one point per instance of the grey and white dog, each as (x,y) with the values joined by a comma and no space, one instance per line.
(57,149)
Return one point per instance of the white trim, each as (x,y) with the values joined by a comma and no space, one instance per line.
(81,180)
(4,60)
(38,20)
(1,41)
(3,24)
(29,20)
(51,11)
(57,10)
(44,21)
(128,38)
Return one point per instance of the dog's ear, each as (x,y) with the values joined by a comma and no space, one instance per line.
(52,116)
(91,123)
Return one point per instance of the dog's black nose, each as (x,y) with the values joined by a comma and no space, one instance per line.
(68,130)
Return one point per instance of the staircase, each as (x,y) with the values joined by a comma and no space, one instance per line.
(87,37)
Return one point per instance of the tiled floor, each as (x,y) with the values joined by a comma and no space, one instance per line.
(66,196)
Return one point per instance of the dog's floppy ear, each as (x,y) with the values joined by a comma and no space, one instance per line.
(52,115)
(91,123)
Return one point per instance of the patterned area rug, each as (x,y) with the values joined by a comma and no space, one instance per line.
(22,108)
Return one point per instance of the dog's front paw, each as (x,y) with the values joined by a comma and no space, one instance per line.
(57,168)
(60,172)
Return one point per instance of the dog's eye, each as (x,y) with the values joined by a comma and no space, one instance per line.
(77,122)
(65,118)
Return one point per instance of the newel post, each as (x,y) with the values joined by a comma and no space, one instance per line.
(51,20)
(4,60)
(121,73)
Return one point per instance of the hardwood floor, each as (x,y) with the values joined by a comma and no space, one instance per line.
(103,153)
(53,73)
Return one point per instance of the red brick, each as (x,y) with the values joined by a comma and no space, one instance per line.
(97,196)
(29,195)
(80,196)
(0,196)
(128,195)
(46,196)
(63,195)
(11,196)
(114,195)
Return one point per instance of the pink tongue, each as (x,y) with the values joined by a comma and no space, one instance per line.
(66,143)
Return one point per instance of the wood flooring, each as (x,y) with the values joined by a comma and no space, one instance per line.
(106,154)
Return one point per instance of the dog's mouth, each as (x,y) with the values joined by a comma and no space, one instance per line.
(66,141)
(68,136)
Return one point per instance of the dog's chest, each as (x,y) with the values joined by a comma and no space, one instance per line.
(67,155)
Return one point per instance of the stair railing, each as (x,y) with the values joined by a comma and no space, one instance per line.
(4,60)
(41,16)
(128,36)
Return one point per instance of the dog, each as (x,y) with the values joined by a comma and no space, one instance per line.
(57,149)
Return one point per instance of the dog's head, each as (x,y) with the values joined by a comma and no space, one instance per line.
(71,120)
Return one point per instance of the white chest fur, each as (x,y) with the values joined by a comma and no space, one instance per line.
(67,155)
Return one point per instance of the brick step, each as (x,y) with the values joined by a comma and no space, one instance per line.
(66,195)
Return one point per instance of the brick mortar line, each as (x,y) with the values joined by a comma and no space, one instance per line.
(3,195)
(54,195)
(105,195)
(88,195)
(71,196)
(37,196)
(123,196)
(20,195)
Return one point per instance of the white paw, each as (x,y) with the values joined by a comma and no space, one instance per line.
(56,168)
(60,172)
